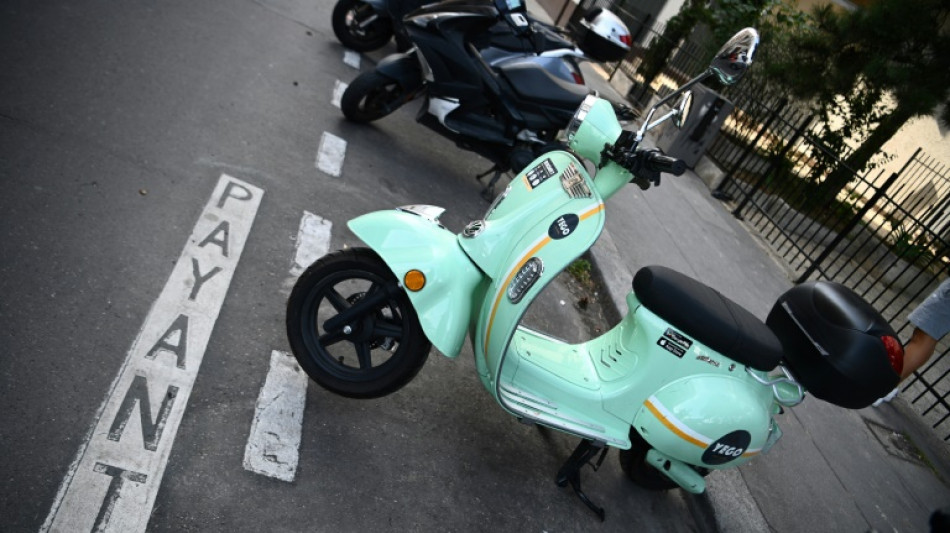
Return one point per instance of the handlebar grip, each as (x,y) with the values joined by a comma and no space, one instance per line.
(658,162)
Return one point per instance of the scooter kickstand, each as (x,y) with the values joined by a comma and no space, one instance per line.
(570,472)
(488,193)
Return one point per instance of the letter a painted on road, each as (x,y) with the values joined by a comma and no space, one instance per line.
(113,482)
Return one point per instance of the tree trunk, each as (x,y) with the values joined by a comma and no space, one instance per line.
(846,172)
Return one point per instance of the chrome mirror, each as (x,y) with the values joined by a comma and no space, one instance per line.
(734,58)
(683,109)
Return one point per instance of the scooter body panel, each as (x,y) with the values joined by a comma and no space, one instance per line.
(687,400)
(406,241)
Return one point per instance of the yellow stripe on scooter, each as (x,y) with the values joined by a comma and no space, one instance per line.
(675,425)
(524,259)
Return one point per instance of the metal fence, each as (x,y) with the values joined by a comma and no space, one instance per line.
(885,236)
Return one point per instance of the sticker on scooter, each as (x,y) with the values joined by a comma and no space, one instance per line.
(563,226)
(727,448)
(674,342)
(539,174)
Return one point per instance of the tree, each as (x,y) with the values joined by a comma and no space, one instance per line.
(869,72)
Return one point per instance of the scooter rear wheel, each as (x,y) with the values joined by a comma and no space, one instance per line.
(372,96)
(348,25)
(371,354)
(634,464)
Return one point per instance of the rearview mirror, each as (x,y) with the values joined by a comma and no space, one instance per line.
(683,109)
(733,59)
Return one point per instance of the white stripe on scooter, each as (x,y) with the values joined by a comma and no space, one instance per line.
(351,58)
(274,442)
(330,154)
(273,447)
(114,480)
(338,89)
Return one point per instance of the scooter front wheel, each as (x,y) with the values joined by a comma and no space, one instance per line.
(372,96)
(359,27)
(352,328)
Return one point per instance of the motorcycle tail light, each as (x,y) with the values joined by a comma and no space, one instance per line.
(895,353)
(626,39)
(578,79)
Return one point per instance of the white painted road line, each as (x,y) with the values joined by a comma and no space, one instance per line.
(351,58)
(313,242)
(113,482)
(338,89)
(274,443)
(330,154)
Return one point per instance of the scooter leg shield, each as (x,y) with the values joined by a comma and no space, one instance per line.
(409,242)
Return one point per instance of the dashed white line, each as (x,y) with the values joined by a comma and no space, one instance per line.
(273,447)
(351,58)
(114,480)
(338,88)
(273,444)
(313,242)
(330,154)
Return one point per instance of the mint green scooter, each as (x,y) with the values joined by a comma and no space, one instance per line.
(681,385)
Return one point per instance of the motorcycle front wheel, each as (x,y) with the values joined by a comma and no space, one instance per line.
(634,464)
(349,21)
(376,348)
(372,96)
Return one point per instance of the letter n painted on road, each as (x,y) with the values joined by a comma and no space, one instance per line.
(113,482)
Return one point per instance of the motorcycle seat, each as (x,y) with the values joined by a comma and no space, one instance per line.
(702,313)
(534,83)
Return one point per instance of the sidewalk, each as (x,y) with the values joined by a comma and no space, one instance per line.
(876,469)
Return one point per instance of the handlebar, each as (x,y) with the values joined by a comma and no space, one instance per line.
(657,162)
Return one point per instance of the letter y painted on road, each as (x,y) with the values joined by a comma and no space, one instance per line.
(113,482)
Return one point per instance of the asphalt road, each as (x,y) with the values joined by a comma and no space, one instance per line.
(117,122)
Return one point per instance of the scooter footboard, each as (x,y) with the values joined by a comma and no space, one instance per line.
(407,241)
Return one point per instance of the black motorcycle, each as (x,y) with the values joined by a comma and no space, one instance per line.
(509,113)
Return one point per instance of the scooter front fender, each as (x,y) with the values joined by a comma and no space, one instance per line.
(408,241)
(402,68)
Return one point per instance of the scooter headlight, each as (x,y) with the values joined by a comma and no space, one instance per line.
(579,117)
(594,125)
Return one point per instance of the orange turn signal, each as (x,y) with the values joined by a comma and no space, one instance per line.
(414,280)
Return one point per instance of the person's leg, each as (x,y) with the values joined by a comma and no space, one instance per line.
(916,352)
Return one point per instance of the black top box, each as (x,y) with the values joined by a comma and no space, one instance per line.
(836,345)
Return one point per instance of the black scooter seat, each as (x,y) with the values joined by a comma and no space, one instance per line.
(534,83)
(702,313)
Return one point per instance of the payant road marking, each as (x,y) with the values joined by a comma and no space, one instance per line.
(114,480)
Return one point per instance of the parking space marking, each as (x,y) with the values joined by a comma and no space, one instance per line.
(273,447)
(313,242)
(114,480)
(338,88)
(330,154)
(351,58)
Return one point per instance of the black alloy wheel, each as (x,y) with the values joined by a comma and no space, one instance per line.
(352,328)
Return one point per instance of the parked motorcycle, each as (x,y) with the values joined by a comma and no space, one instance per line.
(367,25)
(508,113)
(686,383)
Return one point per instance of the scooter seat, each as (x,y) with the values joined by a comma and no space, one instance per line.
(701,312)
(534,83)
